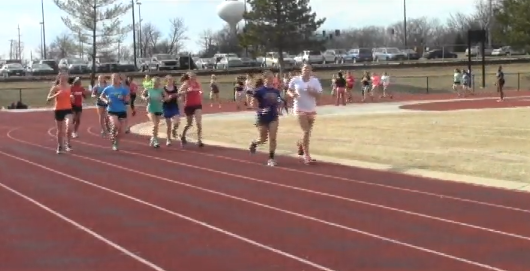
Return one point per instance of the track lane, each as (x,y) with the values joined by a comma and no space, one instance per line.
(438,208)
(316,241)
(34,239)
(171,242)
(361,178)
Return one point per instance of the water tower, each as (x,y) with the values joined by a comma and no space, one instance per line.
(231,11)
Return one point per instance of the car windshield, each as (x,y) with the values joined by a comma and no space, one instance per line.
(392,50)
(231,55)
(49,63)
(76,61)
(365,51)
(164,57)
(314,53)
(232,58)
(14,66)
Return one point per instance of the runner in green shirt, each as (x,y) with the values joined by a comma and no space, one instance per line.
(155,97)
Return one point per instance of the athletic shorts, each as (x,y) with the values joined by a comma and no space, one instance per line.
(171,112)
(77,108)
(341,90)
(120,115)
(265,120)
(456,83)
(250,92)
(190,109)
(60,115)
(133,98)
(156,113)
(101,104)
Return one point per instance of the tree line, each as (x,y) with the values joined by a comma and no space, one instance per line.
(278,25)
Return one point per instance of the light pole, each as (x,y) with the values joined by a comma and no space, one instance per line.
(43,30)
(405,21)
(140,26)
(41,42)
(134,33)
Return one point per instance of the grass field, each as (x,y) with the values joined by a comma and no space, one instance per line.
(413,80)
(491,143)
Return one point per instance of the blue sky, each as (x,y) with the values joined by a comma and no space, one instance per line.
(199,15)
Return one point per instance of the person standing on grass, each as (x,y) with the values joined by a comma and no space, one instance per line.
(192,91)
(214,92)
(79,93)
(266,100)
(500,83)
(171,109)
(155,98)
(116,97)
(100,105)
(306,90)
(62,95)
(457,82)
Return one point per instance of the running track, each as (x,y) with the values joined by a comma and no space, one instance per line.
(221,209)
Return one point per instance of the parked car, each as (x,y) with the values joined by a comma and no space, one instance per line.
(336,56)
(309,56)
(411,54)
(361,55)
(52,63)
(475,51)
(507,51)
(439,53)
(186,62)
(37,69)
(12,69)
(272,59)
(127,67)
(229,62)
(249,62)
(142,64)
(388,53)
(74,65)
(205,64)
(160,62)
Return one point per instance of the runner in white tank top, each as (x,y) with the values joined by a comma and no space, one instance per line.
(305,90)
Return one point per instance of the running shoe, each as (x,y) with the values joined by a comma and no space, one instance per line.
(271,163)
(168,142)
(103,133)
(68,147)
(253,147)
(300,149)
(75,135)
(59,150)
(200,144)
(183,140)
(309,160)
(114,145)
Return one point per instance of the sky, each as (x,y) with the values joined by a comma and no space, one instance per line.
(199,15)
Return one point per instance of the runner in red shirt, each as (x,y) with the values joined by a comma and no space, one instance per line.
(78,93)
(192,91)
(350,83)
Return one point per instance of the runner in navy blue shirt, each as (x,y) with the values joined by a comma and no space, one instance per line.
(266,99)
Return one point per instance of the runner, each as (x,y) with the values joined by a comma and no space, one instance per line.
(133,89)
(239,97)
(376,85)
(192,91)
(385,80)
(116,98)
(305,89)
(500,83)
(155,98)
(100,105)
(171,109)
(79,94)
(365,86)
(266,99)
(340,88)
(249,90)
(62,96)
(125,84)
(457,81)
(214,91)
(350,84)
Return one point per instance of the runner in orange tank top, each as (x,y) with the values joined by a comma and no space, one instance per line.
(192,91)
(62,96)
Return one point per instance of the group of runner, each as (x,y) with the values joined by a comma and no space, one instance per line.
(115,101)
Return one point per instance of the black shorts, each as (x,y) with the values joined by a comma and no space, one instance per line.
(77,109)
(190,110)
(133,98)
(250,92)
(158,114)
(120,115)
(60,115)
(457,83)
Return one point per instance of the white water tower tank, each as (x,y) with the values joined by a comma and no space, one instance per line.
(231,11)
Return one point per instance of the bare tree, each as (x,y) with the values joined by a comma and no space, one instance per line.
(151,36)
(207,44)
(98,19)
(63,46)
(177,36)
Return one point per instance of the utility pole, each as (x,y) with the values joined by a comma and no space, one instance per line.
(12,49)
(43,31)
(140,27)
(19,47)
(134,33)
(490,22)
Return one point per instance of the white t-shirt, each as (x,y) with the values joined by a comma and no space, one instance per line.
(385,79)
(305,102)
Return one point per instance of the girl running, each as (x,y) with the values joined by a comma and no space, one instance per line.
(101,106)
(192,91)
(116,98)
(376,85)
(214,91)
(350,83)
(500,83)
(457,81)
(333,85)
(266,99)
(249,89)
(466,82)
(385,80)
(239,97)
(79,94)
(155,97)
(305,89)
(340,88)
(171,109)
(133,89)
(365,86)
(62,96)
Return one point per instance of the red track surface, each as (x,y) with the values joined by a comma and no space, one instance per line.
(221,209)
